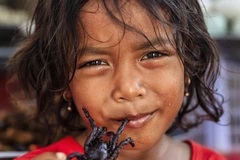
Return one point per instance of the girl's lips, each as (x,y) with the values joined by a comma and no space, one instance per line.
(137,121)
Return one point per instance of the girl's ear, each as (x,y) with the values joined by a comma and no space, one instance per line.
(187,79)
(67,95)
(187,82)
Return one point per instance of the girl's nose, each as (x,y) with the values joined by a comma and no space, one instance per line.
(128,86)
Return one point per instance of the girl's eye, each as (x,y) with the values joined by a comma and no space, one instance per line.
(93,63)
(153,55)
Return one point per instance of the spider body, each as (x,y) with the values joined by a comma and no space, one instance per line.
(95,148)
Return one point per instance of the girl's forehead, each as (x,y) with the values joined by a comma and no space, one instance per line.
(130,13)
(99,24)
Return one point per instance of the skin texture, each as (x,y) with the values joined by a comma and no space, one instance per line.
(120,76)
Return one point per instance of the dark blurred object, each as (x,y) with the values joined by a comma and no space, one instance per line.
(10,35)
(19,132)
(16,4)
(10,155)
(26,5)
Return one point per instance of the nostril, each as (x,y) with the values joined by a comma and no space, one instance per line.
(130,95)
(129,90)
(140,95)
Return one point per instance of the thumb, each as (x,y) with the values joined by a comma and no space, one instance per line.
(51,155)
(61,156)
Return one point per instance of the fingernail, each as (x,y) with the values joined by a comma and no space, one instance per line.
(61,155)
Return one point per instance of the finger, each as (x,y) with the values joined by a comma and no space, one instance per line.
(51,156)
(61,156)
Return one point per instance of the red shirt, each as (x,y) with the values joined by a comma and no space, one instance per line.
(66,145)
(69,145)
(199,152)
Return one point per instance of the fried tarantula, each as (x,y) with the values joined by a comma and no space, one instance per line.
(95,148)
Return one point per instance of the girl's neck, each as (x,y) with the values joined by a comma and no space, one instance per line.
(166,148)
(157,151)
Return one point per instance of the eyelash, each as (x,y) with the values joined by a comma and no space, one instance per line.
(153,55)
(150,55)
(93,63)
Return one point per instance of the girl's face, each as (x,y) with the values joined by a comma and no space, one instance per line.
(121,75)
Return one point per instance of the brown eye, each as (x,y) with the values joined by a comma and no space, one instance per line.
(93,63)
(153,55)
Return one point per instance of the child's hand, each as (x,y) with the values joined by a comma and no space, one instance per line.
(51,156)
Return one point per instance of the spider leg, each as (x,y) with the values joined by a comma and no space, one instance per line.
(115,153)
(117,135)
(97,132)
(78,156)
(90,119)
(101,131)
(91,137)
(111,139)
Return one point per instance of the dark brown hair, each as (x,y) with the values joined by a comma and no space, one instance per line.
(51,49)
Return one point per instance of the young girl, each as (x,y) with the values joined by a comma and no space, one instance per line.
(150,61)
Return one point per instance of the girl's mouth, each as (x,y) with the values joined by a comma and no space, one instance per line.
(137,121)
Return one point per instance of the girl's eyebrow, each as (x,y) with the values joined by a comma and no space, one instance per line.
(140,46)
(95,50)
(152,43)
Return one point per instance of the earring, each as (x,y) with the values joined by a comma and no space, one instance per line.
(69,100)
(186,89)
